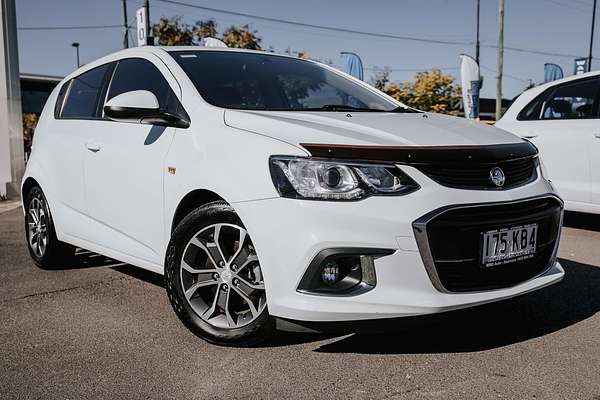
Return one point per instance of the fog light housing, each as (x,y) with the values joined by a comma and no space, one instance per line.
(342,271)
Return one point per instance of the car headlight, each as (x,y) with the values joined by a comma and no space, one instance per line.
(308,178)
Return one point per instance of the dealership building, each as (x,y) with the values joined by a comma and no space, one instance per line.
(35,90)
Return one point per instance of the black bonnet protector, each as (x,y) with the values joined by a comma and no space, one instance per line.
(425,155)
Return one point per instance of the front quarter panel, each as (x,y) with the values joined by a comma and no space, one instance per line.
(230,162)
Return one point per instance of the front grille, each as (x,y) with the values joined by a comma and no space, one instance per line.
(449,242)
(477,175)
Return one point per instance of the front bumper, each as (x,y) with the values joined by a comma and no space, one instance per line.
(288,234)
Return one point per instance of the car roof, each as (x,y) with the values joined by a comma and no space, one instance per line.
(571,78)
(161,50)
(169,49)
(544,86)
(528,95)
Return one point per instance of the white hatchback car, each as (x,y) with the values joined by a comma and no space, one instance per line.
(264,186)
(562,118)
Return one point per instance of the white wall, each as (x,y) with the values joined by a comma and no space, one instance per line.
(12,162)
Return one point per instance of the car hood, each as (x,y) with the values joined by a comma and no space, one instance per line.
(368,128)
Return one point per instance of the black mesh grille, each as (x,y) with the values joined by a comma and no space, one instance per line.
(477,176)
(454,237)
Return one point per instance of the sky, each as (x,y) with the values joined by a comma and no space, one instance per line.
(552,26)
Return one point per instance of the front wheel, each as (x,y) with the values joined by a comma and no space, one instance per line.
(214,280)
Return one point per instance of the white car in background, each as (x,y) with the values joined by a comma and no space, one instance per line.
(562,119)
(267,186)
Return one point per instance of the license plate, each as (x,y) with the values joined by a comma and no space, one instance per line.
(507,245)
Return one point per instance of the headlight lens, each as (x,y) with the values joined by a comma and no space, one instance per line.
(330,180)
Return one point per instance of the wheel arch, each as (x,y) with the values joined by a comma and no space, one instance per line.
(26,186)
(192,200)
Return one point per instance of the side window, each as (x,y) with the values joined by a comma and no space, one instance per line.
(533,110)
(574,100)
(60,99)
(84,93)
(140,74)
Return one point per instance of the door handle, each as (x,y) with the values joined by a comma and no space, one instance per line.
(530,136)
(597,135)
(93,147)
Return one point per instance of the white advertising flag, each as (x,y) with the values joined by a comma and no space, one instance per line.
(469,77)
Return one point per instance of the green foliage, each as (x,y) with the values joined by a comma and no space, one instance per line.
(381,77)
(431,91)
(203,29)
(241,37)
(171,31)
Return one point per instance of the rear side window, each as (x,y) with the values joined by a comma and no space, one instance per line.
(140,74)
(533,110)
(84,94)
(573,101)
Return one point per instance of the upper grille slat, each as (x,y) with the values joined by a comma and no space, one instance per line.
(517,172)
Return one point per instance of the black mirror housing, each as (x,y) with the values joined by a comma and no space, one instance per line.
(146,116)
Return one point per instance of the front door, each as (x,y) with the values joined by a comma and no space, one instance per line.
(125,168)
(565,151)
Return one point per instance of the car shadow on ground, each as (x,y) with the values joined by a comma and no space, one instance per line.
(86,259)
(585,221)
(142,274)
(536,314)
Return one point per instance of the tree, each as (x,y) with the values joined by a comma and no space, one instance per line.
(303,54)
(30,121)
(431,91)
(173,32)
(381,77)
(204,29)
(241,37)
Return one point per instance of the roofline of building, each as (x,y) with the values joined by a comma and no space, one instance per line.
(39,77)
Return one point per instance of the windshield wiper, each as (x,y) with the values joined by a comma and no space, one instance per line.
(402,109)
(340,107)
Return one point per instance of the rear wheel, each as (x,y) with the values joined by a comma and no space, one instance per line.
(44,247)
(214,280)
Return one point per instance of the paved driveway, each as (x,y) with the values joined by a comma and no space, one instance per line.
(105,330)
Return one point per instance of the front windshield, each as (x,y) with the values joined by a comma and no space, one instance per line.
(253,81)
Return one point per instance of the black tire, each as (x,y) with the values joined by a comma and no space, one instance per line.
(255,332)
(55,254)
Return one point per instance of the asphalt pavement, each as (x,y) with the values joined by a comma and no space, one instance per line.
(101,329)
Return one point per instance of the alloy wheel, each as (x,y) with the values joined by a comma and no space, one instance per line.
(37,226)
(221,276)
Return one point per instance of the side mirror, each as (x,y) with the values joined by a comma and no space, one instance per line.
(141,106)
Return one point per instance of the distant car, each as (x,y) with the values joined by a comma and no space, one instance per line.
(562,118)
(267,186)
